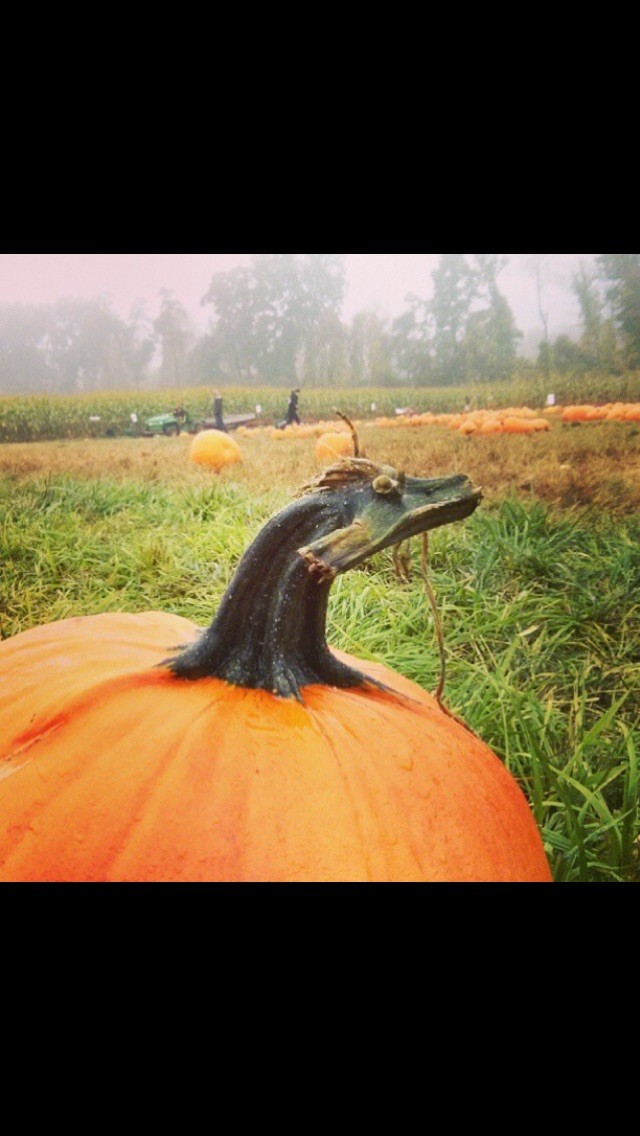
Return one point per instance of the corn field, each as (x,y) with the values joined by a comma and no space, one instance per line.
(39,418)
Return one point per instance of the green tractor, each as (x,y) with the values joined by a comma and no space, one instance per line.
(171,425)
(168,424)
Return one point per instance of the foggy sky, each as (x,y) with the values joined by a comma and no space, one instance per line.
(374,280)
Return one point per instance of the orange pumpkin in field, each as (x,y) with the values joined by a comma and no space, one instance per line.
(513,425)
(214,449)
(490,426)
(575,414)
(333,445)
(138,747)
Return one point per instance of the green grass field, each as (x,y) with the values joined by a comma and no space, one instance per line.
(538,591)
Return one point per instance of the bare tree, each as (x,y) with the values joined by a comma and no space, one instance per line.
(538,264)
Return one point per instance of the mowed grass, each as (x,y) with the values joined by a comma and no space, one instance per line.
(538,592)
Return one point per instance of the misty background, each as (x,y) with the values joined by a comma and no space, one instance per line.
(72,323)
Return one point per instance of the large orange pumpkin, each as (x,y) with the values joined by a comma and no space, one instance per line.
(138,747)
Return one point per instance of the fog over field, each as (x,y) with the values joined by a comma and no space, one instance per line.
(381,281)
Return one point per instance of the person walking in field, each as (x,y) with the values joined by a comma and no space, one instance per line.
(217,411)
(292,409)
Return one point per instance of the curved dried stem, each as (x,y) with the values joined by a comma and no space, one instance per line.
(401,554)
(346,471)
(439,691)
(424,553)
(354,432)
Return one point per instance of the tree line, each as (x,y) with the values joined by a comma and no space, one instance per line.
(278,322)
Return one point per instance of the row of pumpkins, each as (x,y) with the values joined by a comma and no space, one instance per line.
(216,449)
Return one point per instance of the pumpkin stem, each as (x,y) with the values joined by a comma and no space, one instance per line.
(354,433)
(270,629)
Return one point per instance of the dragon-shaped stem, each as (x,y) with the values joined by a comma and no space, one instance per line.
(269,631)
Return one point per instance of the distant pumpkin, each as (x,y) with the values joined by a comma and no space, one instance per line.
(513,425)
(331,446)
(214,449)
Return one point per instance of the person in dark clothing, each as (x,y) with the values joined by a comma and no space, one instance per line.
(217,411)
(292,409)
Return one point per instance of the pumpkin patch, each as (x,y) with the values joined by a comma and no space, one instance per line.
(140,747)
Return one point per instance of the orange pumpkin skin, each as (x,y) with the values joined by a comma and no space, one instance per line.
(513,425)
(114,769)
(215,449)
(333,445)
